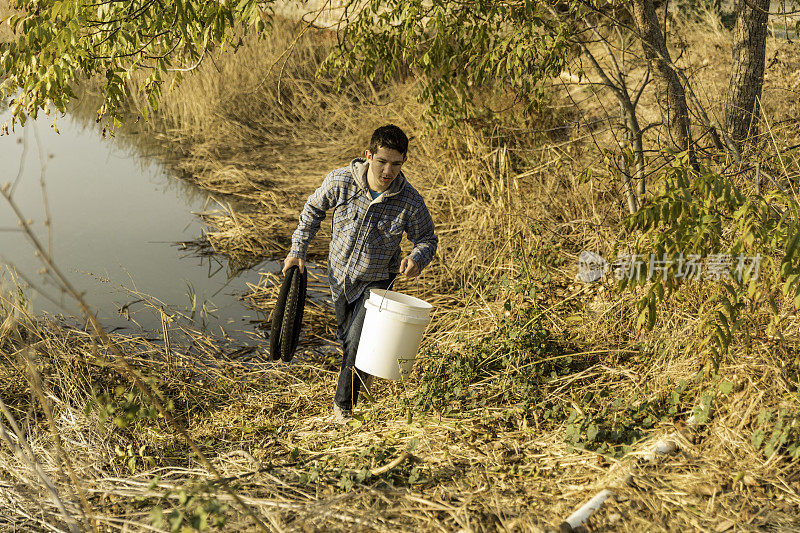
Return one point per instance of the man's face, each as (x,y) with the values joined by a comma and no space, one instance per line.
(384,166)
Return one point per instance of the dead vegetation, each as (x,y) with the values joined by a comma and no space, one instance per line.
(531,394)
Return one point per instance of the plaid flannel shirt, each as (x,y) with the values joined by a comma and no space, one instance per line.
(365,241)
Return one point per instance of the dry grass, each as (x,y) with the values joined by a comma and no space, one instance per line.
(508,452)
(267,429)
(6,34)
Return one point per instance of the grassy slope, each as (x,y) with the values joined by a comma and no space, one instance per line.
(532,393)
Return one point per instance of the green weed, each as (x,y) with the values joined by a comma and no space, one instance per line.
(777,431)
(503,367)
(197,510)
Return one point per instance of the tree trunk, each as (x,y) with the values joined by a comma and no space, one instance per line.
(742,106)
(670,93)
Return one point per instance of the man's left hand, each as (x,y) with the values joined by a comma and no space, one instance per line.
(409,268)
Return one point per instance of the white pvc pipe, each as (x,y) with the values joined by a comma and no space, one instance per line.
(582,515)
(669,443)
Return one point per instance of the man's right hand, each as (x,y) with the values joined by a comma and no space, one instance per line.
(291,261)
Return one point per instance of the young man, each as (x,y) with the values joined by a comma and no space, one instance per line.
(373,206)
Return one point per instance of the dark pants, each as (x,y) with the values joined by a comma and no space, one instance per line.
(350,321)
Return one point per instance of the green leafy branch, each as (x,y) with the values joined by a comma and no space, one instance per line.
(705,213)
(455,48)
(60,43)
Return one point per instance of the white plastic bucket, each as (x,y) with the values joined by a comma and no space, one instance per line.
(393,328)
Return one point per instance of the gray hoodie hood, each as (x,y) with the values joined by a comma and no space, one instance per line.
(359,167)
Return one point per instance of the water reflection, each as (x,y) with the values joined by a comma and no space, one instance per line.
(114,216)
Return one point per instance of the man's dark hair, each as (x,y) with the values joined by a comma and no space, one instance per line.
(389,136)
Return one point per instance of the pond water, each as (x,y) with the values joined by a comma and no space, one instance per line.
(115,215)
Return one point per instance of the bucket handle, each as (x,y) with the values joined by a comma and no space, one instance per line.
(396,275)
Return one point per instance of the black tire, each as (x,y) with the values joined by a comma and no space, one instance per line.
(293,316)
(277,315)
